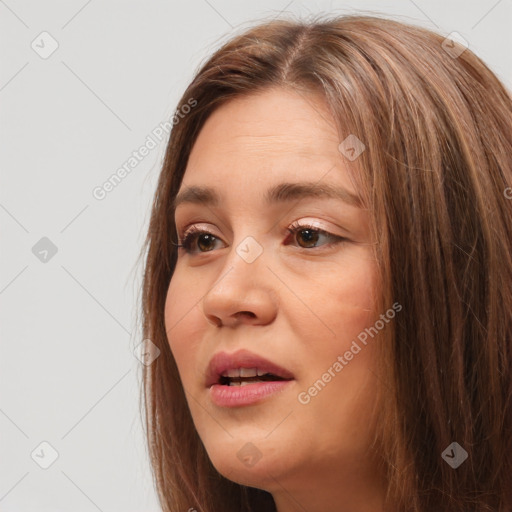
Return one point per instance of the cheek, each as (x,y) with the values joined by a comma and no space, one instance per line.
(177,304)
(341,304)
(183,322)
(344,308)
(351,308)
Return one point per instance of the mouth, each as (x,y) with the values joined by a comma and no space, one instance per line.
(245,376)
(243,368)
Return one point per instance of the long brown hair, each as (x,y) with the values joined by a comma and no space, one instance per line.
(435,177)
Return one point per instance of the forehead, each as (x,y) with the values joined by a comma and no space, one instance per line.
(269,136)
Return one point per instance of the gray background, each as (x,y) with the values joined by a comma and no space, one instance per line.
(69,374)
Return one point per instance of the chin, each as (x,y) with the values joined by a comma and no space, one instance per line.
(257,463)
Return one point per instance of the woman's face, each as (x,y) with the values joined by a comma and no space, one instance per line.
(297,300)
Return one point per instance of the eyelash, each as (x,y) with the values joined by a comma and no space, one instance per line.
(193,232)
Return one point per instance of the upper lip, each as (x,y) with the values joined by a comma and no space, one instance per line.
(223,361)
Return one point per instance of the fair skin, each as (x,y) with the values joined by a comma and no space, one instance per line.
(300,303)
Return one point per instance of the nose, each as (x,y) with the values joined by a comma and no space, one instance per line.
(243,294)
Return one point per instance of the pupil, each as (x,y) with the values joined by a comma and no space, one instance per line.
(312,237)
(204,236)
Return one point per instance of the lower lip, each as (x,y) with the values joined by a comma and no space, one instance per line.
(235,396)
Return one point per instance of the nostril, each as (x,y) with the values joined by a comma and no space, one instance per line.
(249,313)
(235,318)
(216,321)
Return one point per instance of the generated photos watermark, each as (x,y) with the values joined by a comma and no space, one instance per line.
(304,397)
(159,132)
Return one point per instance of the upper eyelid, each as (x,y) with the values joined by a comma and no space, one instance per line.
(294,226)
(304,220)
(194,228)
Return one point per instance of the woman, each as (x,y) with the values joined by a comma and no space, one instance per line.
(329,277)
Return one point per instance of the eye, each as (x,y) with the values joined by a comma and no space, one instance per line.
(194,236)
(310,235)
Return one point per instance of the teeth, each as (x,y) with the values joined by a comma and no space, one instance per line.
(243,372)
(233,372)
(248,372)
(241,383)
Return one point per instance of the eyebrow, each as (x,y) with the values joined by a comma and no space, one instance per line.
(282,192)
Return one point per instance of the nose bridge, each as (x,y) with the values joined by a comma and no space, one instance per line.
(242,286)
(249,250)
(243,268)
